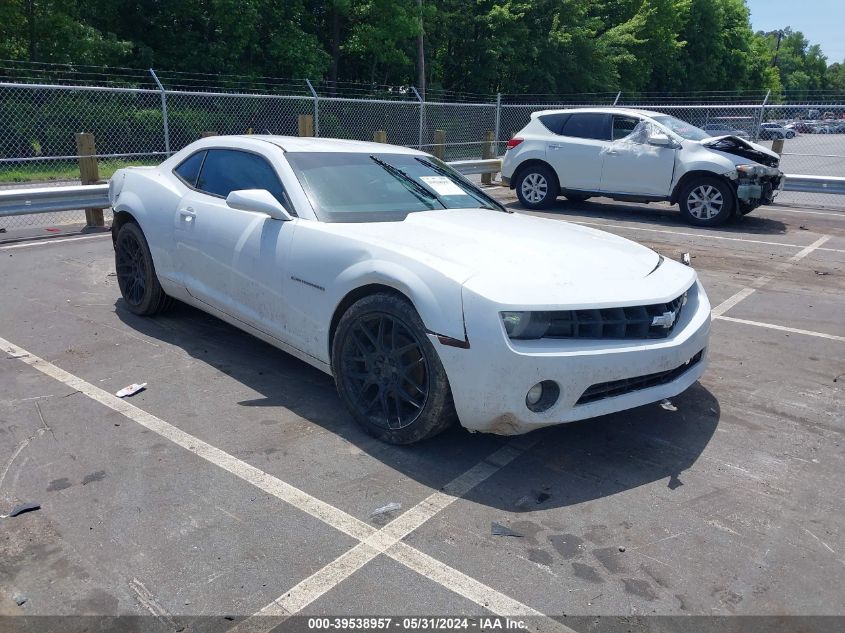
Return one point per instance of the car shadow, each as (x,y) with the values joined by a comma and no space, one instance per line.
(670,217)
(567,464)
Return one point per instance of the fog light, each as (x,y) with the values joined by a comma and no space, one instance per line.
(534,395)
(542,396)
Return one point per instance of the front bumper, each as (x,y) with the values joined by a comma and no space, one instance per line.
(490,380)
(759,189)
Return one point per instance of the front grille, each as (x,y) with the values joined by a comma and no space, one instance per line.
(603,390)
(619,323)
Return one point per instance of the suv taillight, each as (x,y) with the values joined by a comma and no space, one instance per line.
(514,142)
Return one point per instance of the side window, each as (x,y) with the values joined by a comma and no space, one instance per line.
(623,126)
(586,125)
(227,170)
(553,122)
(189,169)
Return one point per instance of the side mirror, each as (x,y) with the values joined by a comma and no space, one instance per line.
(660,140)
(259,201)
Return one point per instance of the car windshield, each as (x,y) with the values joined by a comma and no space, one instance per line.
(682,128)
(382,187)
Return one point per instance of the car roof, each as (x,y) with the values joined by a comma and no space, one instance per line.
(607,110)
(313,144)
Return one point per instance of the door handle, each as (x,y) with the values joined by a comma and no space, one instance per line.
(188,213)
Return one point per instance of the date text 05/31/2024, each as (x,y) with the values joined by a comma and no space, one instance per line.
(415,623)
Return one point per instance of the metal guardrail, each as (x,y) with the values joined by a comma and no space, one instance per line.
(814,184)
(71,198)
(52,199)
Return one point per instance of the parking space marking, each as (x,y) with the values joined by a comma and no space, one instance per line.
(372,542)
(388,541)
(295,497)
(758,283)
(782,328)
(48,241)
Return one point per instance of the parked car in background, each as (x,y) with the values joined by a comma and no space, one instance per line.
(720,129)
(800,126)
(639,156)
(769,131)
(425,298)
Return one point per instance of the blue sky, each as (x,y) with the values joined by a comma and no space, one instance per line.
(821,21)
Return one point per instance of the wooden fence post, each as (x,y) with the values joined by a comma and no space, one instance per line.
(380,136)
(777,146)
(439,148)
(488,152)
(305,123)
(89,173)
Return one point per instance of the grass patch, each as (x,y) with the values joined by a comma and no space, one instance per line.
(46,171)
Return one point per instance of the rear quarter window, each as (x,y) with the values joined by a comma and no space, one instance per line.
(553,122)
(189,169)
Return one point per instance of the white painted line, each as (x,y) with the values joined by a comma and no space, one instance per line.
(388,541)
(758,283)
(326,513)
(782,328)
(808,212)
(373,542)
(704,235)
(50,241)
(685,234)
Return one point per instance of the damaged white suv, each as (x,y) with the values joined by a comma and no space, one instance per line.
(639,156)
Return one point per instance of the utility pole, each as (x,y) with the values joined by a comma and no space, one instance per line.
(421,53)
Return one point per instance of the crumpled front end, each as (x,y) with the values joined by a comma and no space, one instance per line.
(757,184)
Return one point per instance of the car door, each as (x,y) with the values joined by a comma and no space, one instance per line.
(231,259)
(576,154)
(633,166)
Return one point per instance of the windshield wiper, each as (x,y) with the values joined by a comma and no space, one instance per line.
(420,190)
(467,187)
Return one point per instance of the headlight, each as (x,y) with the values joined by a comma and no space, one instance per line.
(756,170)
(526,324)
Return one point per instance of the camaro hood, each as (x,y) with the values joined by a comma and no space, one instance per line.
(516,257)
(737,146)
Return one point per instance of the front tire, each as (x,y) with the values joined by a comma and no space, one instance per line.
(537,186)
(388,373)
(706,201)
(136,275)
(577,197)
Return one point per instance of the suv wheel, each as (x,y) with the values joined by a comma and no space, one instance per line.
(537,186)
(706,201)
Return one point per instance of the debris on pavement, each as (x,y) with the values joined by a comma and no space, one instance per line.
(821,272)
(621,548)
(21,509)
(2,229)
(20,600)
(685,259)
(667,404)
(497,529)
(803,228)
(390,507)
(535,498)
(131,390)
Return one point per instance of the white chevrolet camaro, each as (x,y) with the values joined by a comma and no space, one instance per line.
(425,298)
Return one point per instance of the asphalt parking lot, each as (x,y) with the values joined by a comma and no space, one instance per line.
(236,484)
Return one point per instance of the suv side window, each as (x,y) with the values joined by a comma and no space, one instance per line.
(554,122)
(228,170)
(189,169)
(588,125)
(623,126)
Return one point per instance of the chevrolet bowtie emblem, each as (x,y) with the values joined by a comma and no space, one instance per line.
(665,320)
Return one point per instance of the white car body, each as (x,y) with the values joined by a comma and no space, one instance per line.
(636,167)
(287,282)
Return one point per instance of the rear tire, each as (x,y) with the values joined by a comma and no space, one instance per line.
(537,186)
(136,275)
(388,373)
(706,201)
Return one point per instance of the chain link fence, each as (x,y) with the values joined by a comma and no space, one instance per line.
(138,121)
